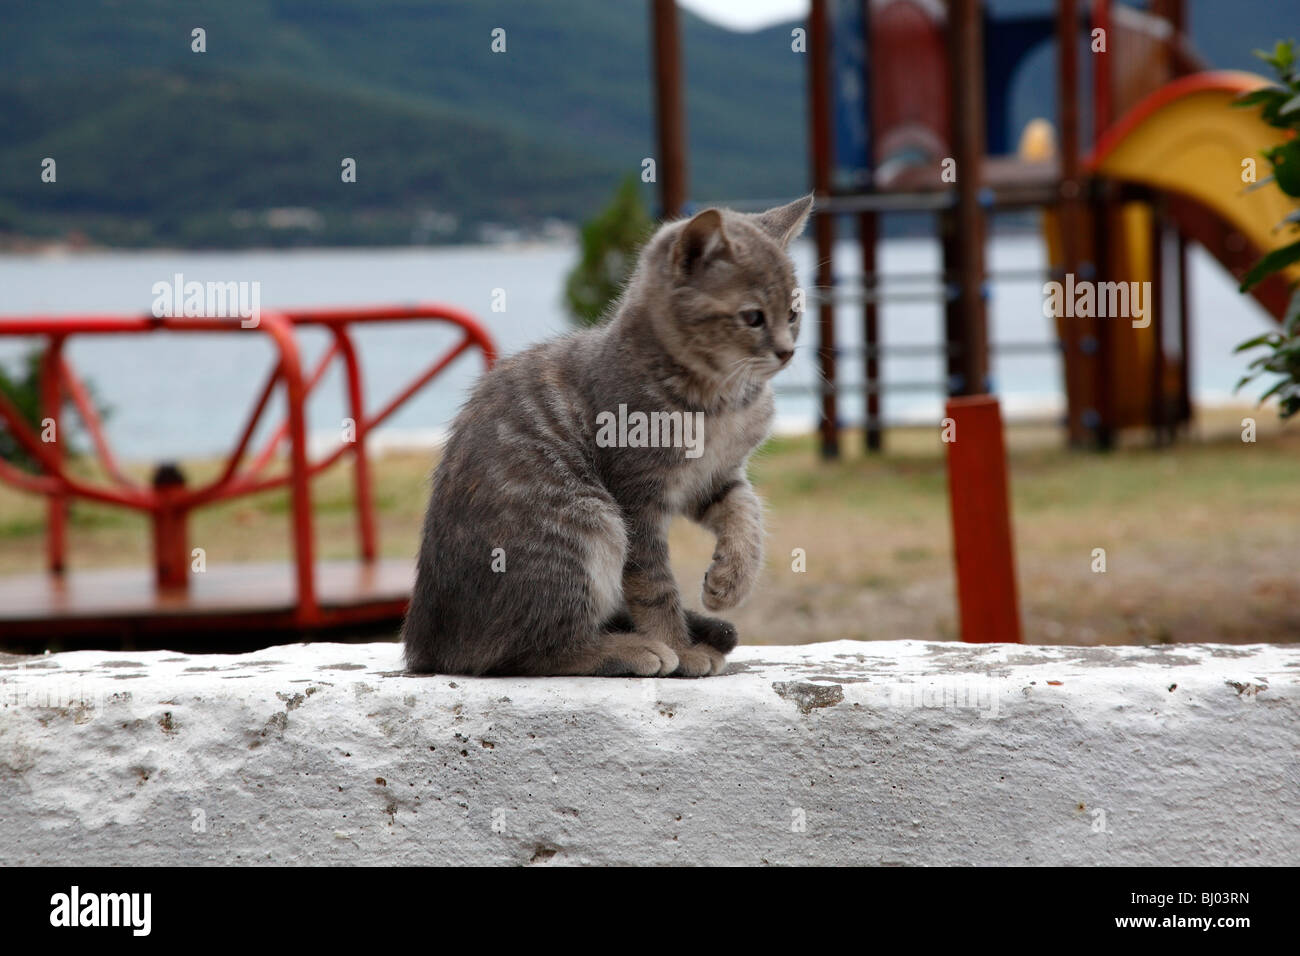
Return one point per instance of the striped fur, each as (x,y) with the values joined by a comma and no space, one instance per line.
(546,553)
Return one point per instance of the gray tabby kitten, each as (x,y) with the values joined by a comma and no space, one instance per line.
(544,549)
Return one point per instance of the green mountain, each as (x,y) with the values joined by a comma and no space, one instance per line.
(157,144)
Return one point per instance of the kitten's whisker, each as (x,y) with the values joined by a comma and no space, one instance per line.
(745,364)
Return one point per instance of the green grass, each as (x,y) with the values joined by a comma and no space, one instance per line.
(1200,537)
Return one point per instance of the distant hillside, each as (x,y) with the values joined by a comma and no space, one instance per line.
(156,144)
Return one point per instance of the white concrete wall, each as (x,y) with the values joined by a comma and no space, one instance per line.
(873,753)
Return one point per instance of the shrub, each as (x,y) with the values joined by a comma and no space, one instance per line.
(610,243)
(1279,105)
(21,384)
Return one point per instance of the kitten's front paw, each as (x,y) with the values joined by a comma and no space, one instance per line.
(713,631)
(699,660)
(631,655)
(728,581)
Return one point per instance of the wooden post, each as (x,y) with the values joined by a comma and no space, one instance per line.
(953,318)
(982,543)
(1184,336)
(1175,11)
(1105,221)
(823,222)
(670,119)
(1071,217)
(1105,218)
(1067,106)
(966,270)
(872,429)
(1156,305)
(1101,73)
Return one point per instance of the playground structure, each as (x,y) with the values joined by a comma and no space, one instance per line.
(909,112)
(899,89)
(902,91)
(236,604)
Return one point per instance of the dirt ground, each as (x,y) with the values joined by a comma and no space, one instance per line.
(1200,538)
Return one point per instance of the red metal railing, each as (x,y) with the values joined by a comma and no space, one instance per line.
(169,501)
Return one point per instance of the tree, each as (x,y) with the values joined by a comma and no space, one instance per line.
(22,387)
(610,243)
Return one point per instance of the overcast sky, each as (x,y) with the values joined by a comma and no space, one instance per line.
(747,14)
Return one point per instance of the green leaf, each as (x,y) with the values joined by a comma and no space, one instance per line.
(1286,348)
(1253,343)
(1275,261)
(1292,318)
(1273,391)
(1281,58)
(1286,167)
(1265,94)
(1290,106)
(1284,54)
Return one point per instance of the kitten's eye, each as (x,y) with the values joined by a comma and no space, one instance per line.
(794,316)
(752,317)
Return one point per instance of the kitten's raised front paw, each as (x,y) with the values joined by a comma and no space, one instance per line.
(727,582)
(713,631)
(699,661)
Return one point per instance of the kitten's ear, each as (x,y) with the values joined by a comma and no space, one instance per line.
(784,223)
(700,242)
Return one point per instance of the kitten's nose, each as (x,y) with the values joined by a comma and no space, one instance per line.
(784,354)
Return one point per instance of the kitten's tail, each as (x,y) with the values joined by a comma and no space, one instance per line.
(417,637)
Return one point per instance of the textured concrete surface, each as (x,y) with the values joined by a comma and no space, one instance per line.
(880,753)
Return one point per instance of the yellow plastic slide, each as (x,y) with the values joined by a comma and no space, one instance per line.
(1188,138)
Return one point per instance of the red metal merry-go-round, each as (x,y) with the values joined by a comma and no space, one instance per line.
(229,607)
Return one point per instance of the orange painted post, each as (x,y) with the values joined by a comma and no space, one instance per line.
(979,494)
(170,540)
